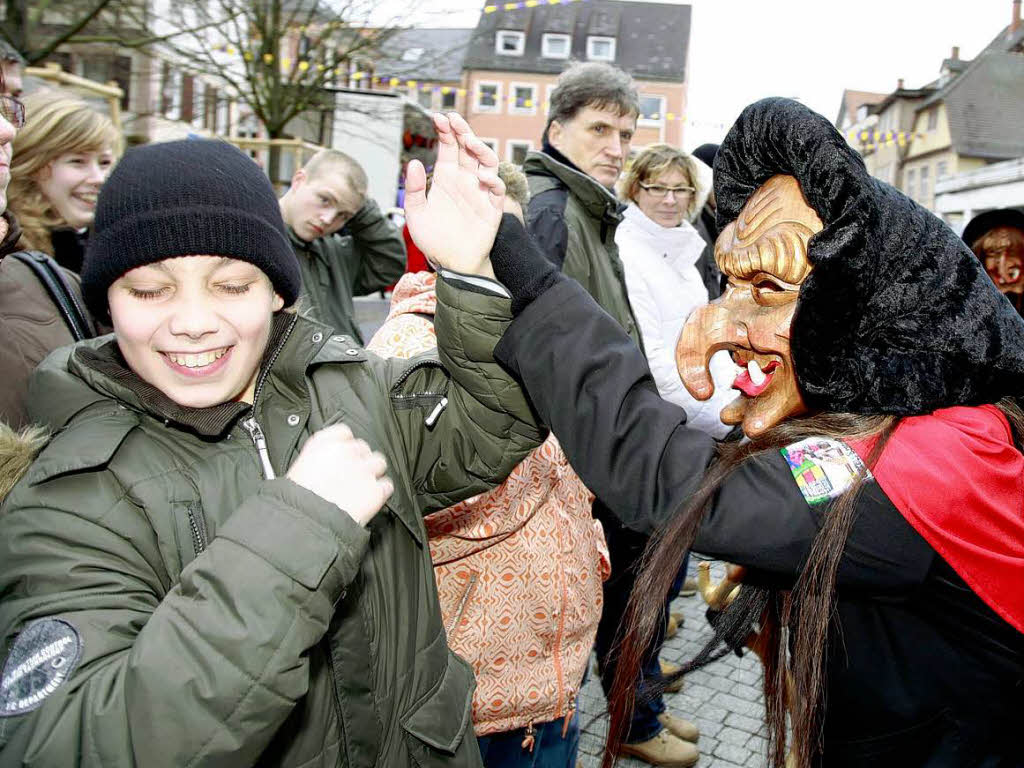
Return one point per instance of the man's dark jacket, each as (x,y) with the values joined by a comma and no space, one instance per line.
(573,219)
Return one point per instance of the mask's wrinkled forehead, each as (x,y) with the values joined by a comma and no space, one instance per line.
(770,235)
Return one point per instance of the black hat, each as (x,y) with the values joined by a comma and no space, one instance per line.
(706,154)
(183,198)
(983,222)
(897,315)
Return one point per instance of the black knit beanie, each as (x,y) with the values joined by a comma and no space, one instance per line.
(186,198)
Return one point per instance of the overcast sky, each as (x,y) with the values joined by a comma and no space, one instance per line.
(743,50)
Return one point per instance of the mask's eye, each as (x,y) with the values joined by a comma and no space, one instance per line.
(770,291)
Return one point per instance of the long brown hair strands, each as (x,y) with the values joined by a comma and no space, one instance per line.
(800,617)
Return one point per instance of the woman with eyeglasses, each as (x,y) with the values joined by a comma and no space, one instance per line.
(661,254)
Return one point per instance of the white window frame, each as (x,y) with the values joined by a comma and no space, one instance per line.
(591,39)
(477,88)
(513,109)
(520,38)
(549,37)
(548,89)
(511,143)
(642,121)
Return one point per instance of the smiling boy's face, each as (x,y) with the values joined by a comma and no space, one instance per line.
(764,255)
(195,327)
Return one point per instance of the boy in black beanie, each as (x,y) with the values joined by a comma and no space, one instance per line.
(194,570)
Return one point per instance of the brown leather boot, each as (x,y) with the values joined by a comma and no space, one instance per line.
(684,729)
(665,749)
(668,668)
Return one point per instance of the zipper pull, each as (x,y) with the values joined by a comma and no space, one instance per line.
(528,742)
(431,420)
(569,714)
(260,441)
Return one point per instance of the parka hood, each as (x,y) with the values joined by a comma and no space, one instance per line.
(897,315)
(17,450)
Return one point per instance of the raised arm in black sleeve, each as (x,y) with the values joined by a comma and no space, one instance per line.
(592,386)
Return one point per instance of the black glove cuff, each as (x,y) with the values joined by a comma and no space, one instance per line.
(520,265)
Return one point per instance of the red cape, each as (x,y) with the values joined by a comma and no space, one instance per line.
(957,478)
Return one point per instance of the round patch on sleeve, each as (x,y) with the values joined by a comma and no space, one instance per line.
(43,656)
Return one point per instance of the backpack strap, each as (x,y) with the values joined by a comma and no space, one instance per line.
(49,274)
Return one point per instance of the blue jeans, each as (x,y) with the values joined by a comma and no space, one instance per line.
(550,750)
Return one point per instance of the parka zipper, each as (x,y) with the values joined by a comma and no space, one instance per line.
(337,696)
(417,398)
(198,528)
(259,439)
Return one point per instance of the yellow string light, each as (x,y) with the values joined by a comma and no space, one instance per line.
(268,58)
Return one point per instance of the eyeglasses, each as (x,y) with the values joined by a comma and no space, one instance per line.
(657,190)
(13,111)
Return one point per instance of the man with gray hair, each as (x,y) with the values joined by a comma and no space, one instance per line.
(572,216)
(345,245)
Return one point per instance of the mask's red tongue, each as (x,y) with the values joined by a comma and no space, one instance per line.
(745,385)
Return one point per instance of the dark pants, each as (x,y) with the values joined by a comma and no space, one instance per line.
(625,548)
(550,750)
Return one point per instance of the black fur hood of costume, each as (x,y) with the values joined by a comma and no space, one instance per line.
(897,315)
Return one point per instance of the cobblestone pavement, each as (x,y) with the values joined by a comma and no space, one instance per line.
(723,699)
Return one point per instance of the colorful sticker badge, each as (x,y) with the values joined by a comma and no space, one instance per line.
(823,468)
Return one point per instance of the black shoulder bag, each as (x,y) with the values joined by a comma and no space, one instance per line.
(49,274)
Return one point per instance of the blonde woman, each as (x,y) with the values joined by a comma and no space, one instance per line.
(61,158)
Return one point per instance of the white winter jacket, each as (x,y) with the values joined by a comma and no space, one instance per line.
(664,287)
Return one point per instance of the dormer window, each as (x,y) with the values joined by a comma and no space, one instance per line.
(412,54)
(601,48)
(554,46)
(509,43)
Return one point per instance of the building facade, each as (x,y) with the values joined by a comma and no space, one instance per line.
(516,54)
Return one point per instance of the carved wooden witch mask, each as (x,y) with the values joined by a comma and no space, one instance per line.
(1001,250)
(764,255)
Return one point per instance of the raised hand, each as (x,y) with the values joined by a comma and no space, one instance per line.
(343,470)
(456,223)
